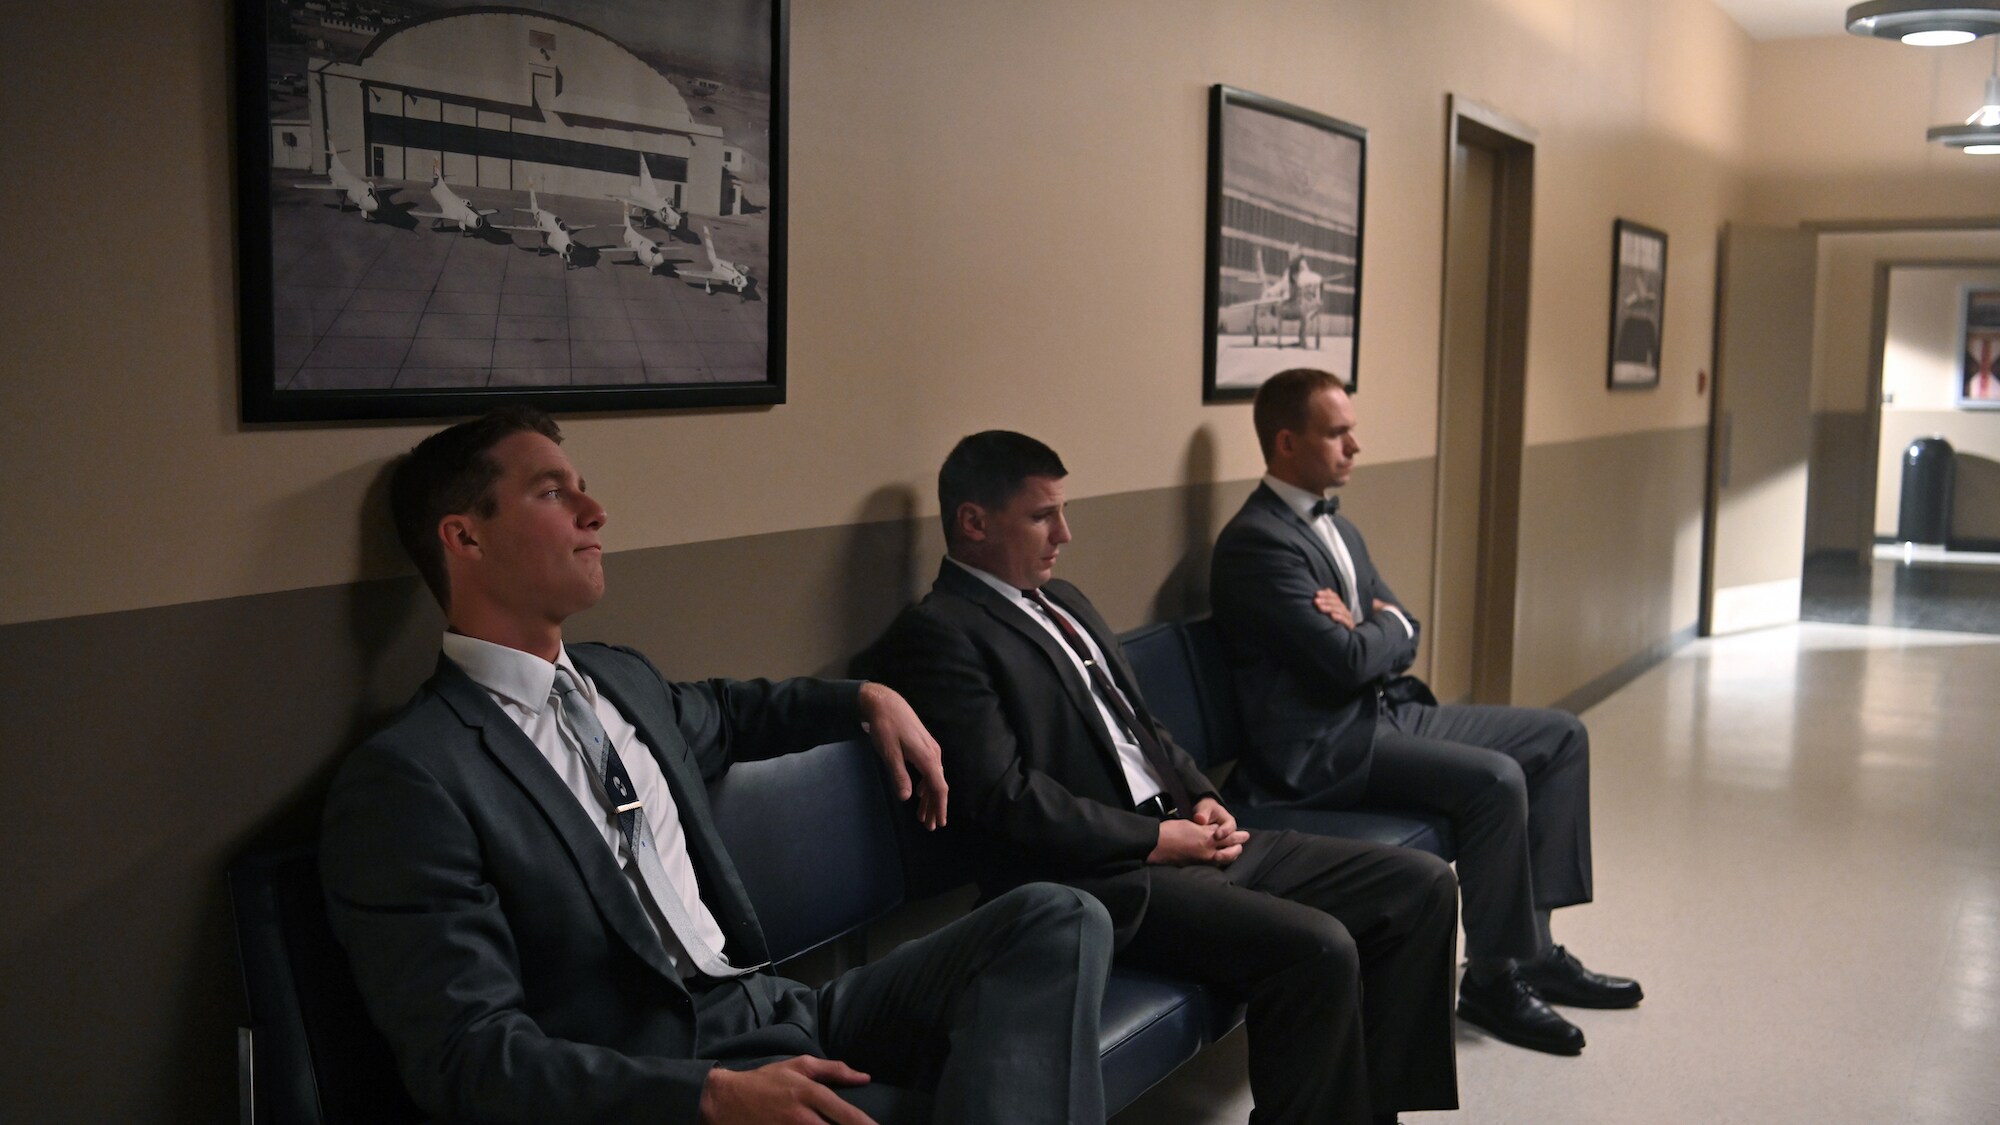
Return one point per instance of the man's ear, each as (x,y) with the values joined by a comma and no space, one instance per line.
(456,533)
(1284,445)
(970,520)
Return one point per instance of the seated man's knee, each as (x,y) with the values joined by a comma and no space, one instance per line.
(1054,907)
(1330,948)
(1506,783)
(1430,880)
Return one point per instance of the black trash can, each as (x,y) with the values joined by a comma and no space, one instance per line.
(1925,515)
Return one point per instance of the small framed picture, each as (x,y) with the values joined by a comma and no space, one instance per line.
(1979,351)
(1285,189)
(446,205)
(1638,305)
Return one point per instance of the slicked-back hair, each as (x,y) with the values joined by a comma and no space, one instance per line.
(450,473)
(987,469)
(1282,400)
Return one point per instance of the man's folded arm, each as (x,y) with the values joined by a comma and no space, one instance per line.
(435,960)
(1265,588)
(939,671)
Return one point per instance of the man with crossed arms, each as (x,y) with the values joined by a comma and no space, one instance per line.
(1319,646)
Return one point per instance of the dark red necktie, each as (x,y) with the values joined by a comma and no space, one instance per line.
(1142,732)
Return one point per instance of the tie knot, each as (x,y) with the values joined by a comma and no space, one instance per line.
(1326,507)
(565,684)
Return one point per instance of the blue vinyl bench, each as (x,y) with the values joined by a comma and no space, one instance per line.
(845,859)
(823,854)
(1186,682)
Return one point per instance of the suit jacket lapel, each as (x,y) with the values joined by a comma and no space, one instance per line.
(518,756)
(644,704)
(1014,617)
(1329,571)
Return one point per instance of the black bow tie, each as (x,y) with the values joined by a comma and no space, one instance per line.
(1326,507)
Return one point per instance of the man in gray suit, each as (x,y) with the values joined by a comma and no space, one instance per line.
(1320,646)
(540,913)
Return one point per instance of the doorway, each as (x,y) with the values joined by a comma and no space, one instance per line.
(1482,381)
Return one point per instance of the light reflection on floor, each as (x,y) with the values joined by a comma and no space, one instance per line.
(1798,851)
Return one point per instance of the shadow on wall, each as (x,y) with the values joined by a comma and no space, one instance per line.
(884,562)
(1184,593)
(1975,501)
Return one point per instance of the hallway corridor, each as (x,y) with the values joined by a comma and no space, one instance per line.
(1798,853)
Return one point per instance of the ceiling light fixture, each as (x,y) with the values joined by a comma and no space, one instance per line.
(1980,135)
(1925,24)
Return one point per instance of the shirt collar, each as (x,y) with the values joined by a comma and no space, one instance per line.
(1296,498)
(1005,589)
(521,678)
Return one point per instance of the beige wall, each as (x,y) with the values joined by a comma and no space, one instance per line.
(997,221)
(1920,369)
(1837,131)
(1842,513)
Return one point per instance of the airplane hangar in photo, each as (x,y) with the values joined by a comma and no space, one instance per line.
(511,198)
(507,97)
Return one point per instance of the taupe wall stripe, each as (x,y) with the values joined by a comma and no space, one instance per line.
(1610,555)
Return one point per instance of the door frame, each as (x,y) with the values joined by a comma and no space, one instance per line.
(1512,146)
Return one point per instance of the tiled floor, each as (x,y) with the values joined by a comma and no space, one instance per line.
(1798,851)
(1957,591)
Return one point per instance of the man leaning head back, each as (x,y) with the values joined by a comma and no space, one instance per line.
(499,524)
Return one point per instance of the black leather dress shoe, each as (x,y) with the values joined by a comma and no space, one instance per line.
(1561,979)
(1506,1006)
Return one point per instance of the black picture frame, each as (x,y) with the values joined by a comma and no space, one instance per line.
(1978,382)
(1638,306)
(509,101)
(1292,182)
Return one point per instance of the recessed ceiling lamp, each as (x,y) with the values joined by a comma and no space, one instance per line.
(1925,24)
(1980,135)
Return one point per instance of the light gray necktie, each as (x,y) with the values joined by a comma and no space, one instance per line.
(624,802)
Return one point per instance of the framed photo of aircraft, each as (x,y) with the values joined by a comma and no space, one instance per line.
(1638,305)
(446,206)
(1979,363)
(1285,195)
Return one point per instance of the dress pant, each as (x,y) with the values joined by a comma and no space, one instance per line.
(1515,783)
(1344,952)
(990,1020)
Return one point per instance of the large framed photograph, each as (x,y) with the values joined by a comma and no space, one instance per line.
(1638,305)
(1285,194)
(578,204)
(1979,337)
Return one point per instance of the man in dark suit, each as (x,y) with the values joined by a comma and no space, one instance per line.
(540,914)
(1343,949)
(1320,645)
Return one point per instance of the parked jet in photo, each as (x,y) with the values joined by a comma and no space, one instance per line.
(648,198)
(452,209)
(556,234)
(728,273)
(643,250)
(1292,295)
(356,192)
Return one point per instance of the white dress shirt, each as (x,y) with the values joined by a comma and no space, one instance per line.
(1303,502)
(1138,773)
(523,685)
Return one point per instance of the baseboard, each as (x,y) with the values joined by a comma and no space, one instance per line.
(1603,687)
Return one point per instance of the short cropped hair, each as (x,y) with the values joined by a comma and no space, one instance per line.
(987,469)
(1281,403)
(449,473)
